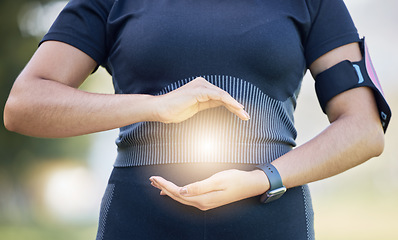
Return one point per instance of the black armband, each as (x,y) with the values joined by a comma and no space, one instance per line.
(347,75)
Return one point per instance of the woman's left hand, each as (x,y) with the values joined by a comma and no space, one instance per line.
(220,189)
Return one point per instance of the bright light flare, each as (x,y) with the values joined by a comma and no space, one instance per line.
(71,194)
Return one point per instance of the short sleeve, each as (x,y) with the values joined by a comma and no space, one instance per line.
(331,27)
(82,24)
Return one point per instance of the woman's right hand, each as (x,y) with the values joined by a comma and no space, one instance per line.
(46,94)
(195,96)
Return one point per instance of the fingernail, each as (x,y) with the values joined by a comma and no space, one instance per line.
(184,191)
(247,115)
(153,179)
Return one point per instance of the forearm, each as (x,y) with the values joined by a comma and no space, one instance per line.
(347,142)
(55,109)
(45,108)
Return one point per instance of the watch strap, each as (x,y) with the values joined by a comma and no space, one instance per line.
(277,189)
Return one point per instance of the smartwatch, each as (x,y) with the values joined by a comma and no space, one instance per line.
(276,189)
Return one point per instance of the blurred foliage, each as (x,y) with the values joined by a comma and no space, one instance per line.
(47,231)
(18,152)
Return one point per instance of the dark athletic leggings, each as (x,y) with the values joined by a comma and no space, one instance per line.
(132,209)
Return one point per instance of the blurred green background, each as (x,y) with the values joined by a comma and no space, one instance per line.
(361,203)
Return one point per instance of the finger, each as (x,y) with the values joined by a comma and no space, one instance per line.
(172,190)
(200,188)
(212,92)
(204,201)
(210,96)
(166,186)
(154,185)
(211,103)
(242,114)
(175,196)
(213,96)
(155,182)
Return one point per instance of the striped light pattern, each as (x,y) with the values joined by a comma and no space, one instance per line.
(214,135)
(105,205)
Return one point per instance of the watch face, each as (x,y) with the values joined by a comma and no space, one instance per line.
(277,191)
(273,195)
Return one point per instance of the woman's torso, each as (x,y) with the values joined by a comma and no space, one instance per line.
(252,49)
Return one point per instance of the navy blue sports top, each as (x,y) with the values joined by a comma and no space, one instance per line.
(257,50)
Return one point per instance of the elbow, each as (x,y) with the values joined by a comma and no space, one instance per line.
(8,123)
(14,115)
(375,139)
(9,116)
(15,118)
(379,143)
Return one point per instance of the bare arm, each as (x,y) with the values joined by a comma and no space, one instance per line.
(354,136)
(45,101)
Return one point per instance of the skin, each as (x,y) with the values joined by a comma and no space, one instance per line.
(46,93)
